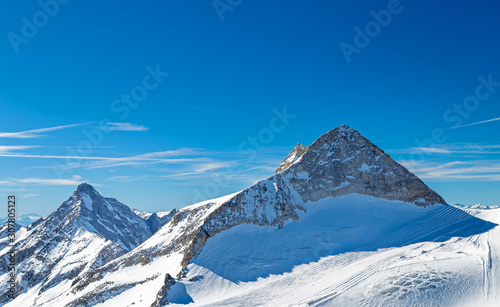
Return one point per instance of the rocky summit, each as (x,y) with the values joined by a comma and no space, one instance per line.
(342,162)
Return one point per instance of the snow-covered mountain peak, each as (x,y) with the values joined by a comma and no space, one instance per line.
(86,189)
(85,232)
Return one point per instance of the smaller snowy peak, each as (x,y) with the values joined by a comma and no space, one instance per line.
(85,232)
(163,216)
(142,214)
(292,157)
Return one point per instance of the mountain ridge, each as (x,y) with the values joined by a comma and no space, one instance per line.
(318,173)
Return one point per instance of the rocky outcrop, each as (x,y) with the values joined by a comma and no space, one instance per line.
(292,157)
(161,297)
(154,222)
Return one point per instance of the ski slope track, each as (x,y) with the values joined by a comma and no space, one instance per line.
(325,281)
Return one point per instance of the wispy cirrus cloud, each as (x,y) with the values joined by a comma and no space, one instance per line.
(101,162)
(75,180)
(124,127)
(156,157)
(452,148)
(129,178)
(8,149)
(473,170)
(478,123)
(30,195)
(37,133)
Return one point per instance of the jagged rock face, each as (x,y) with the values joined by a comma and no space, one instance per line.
(292,157)
(161,297)
(166,216)
(342,162)
(84,233)
(154,222)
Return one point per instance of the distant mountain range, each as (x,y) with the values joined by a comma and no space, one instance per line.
(340,223)
(477,206)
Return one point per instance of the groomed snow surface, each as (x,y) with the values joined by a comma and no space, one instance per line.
(351,251)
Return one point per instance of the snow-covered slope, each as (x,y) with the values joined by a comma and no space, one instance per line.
(86,232)
(352,250)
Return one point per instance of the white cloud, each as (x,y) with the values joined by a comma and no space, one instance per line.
(37,133)
(129,178)
(452,148)
(103,162)
(7,149)
(30,195)
(472,170)
(125,127)
(213,166)
(75,180)
(478,123)
(430,150)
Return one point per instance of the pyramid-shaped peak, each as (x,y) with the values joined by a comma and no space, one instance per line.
(85,188)
(342,162)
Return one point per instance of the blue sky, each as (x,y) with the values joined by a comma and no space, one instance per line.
(154,102)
